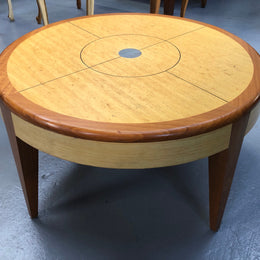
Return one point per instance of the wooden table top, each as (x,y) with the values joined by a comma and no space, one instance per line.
(129,77)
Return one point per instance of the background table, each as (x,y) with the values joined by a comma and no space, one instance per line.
(120,91)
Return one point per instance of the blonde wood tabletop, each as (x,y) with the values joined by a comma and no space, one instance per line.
(74,69)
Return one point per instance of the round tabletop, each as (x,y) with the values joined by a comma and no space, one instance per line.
(129,77)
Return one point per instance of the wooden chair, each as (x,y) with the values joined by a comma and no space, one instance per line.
(43,14)
(10,11)
(155,6)
(169,6)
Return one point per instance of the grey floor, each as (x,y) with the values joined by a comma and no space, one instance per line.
(95,213)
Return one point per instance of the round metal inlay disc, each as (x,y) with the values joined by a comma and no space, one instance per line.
(130,53)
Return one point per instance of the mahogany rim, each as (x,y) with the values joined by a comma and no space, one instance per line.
(130,132)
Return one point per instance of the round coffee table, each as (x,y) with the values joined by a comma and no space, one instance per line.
(121,91)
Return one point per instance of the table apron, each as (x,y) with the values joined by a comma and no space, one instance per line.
(123,155)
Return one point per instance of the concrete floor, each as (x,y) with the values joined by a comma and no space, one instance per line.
(95,213)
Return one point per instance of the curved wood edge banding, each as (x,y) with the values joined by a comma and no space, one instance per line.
(123,155)
(111,132)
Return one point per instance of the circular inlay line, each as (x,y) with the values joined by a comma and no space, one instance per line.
(133,51)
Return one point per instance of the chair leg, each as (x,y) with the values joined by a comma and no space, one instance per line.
(184,4)
(155,6)
(26,159)
(203,3)
(169,7)
(39,16)
(221,170)
(10,11)
(79,4)
(43,9)
(90,7)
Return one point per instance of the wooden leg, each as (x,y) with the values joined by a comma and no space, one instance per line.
(26,159)
(184,4)
(39,16)
(79,4)
(221,170)
(10,11)
(155,6)
(90,7)
(169,7)
(43,9)
(203,3)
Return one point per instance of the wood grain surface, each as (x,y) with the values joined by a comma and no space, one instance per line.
(26,160)
(189,79)
(221,171)
(127,155)
(123,155)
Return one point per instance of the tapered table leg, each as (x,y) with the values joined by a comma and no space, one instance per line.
(169,7)
(221,170)
(26,159)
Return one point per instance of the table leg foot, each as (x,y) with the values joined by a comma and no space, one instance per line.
(221,170)
(26,159)
(169,7)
